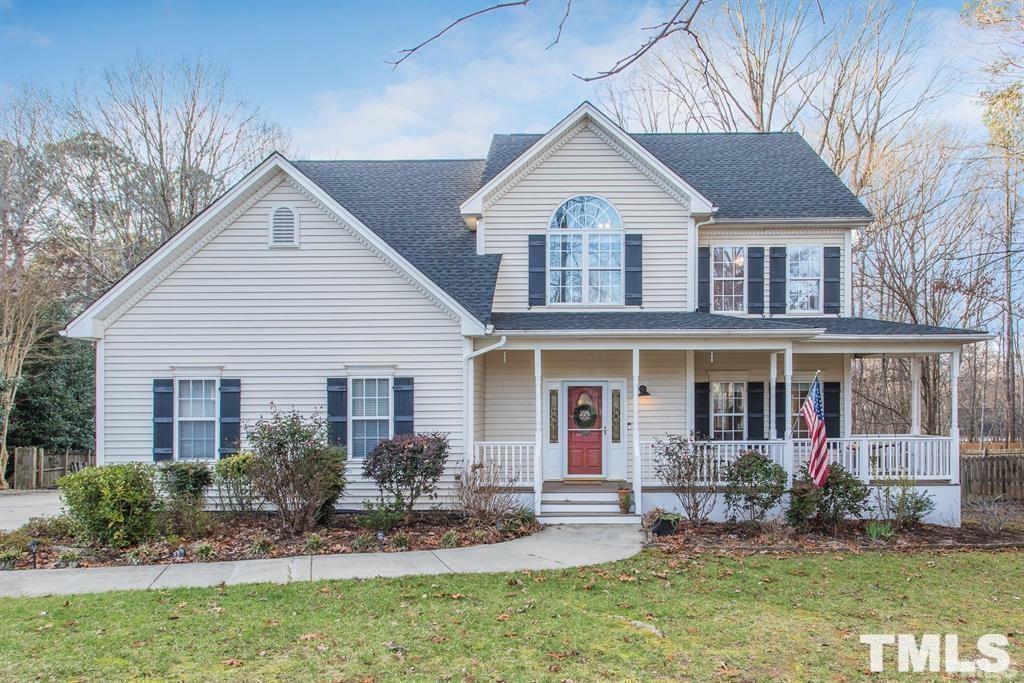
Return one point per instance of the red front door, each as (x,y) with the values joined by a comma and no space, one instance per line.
(585,430)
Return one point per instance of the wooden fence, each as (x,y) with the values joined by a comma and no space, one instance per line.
(36,468)
(999,473)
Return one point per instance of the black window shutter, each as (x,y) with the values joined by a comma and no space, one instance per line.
(703,279)
(538,271)
(777,275)
(230,416)
(832,280)
(337,411)
(634,270)
(755,280)
(702,409)
(830,397)
(780,410)
(163,420)
(403,406)
(755,410)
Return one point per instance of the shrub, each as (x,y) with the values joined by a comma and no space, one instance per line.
(450,539)
(184,484)
(754,486)
(364,542)
(313,544)
(401,540)
(115,505)
(233,476)
(993,513)
(685,465)
(69,559)
(484,495)
(407,466)
(381,516)
(9,558)
(295,468)
(54,528)
(142,554)
(519,519)
(842,496)
(900,503)
(260,547)
(880,531)
(204,552)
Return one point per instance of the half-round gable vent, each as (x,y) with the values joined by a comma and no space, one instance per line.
(284,226)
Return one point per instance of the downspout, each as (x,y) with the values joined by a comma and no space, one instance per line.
(493,347)
(692,284)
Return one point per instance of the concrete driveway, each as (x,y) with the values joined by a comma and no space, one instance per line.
(17,507)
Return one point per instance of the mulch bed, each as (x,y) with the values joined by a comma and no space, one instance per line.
(233,536)
(774,539)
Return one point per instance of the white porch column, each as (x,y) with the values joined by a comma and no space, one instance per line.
(773,372)
(954,416)
(787,369)
(915,395)
(691,416)
(847,395)
(538,445)
(469,438)
(638,473)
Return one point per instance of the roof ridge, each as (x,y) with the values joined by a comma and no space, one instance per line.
(382,161)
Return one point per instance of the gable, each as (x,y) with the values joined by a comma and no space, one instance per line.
(585,162)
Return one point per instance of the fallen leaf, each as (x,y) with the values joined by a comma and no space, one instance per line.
(232,662)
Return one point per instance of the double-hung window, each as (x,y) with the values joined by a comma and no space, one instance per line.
(728,272)
(804,281)
(585,253)
(799,395)
(728,411)
(197,419)
(371,413)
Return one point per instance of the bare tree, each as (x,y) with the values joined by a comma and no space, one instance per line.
(29,281)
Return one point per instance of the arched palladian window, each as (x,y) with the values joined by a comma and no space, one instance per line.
(585,253)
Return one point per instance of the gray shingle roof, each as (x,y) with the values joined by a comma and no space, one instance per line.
(669,320)
(414,207)
(746,175)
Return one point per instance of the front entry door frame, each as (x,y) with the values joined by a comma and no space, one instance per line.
(563,427)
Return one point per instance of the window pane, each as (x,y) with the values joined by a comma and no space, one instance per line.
(605,251)
(804,262)
(366,434)
(585,212)
(803,295)
(728,411)
(728,279)
(565,251)
(196,439)
(566,286)
(605,286)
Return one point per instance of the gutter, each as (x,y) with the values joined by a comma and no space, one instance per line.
(809,333)
(493,347)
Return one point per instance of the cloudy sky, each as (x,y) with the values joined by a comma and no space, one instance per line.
(321,68)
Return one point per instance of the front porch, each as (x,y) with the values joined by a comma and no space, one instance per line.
(530,430)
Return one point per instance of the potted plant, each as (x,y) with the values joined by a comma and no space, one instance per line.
(666,524)
(625,499)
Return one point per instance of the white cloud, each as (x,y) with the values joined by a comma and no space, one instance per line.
(21,34)
(448,101)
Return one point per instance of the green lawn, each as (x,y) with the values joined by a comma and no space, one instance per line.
(757,618)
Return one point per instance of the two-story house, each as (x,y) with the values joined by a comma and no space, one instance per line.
(554,308)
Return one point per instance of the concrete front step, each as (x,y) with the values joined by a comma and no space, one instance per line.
(574,506)
(584,496)
(589,518)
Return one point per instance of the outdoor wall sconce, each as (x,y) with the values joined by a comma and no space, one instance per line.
(643,390)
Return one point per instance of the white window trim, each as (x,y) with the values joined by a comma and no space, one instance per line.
(182,374)
(270,226)
(711,401)
(711,267)
(821,279)
(585,265)
(352,418)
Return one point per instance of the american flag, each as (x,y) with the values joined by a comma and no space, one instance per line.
(813,411)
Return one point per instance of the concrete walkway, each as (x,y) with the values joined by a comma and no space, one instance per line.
(554,547)
(17,507)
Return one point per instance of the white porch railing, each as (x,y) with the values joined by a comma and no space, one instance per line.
(870,457)
(513,458)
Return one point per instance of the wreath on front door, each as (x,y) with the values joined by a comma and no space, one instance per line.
(584,416)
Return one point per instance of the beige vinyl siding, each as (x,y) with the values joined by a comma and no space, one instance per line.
(586,164)
(479,397)
(769,237)
(283,321)
(510,402)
